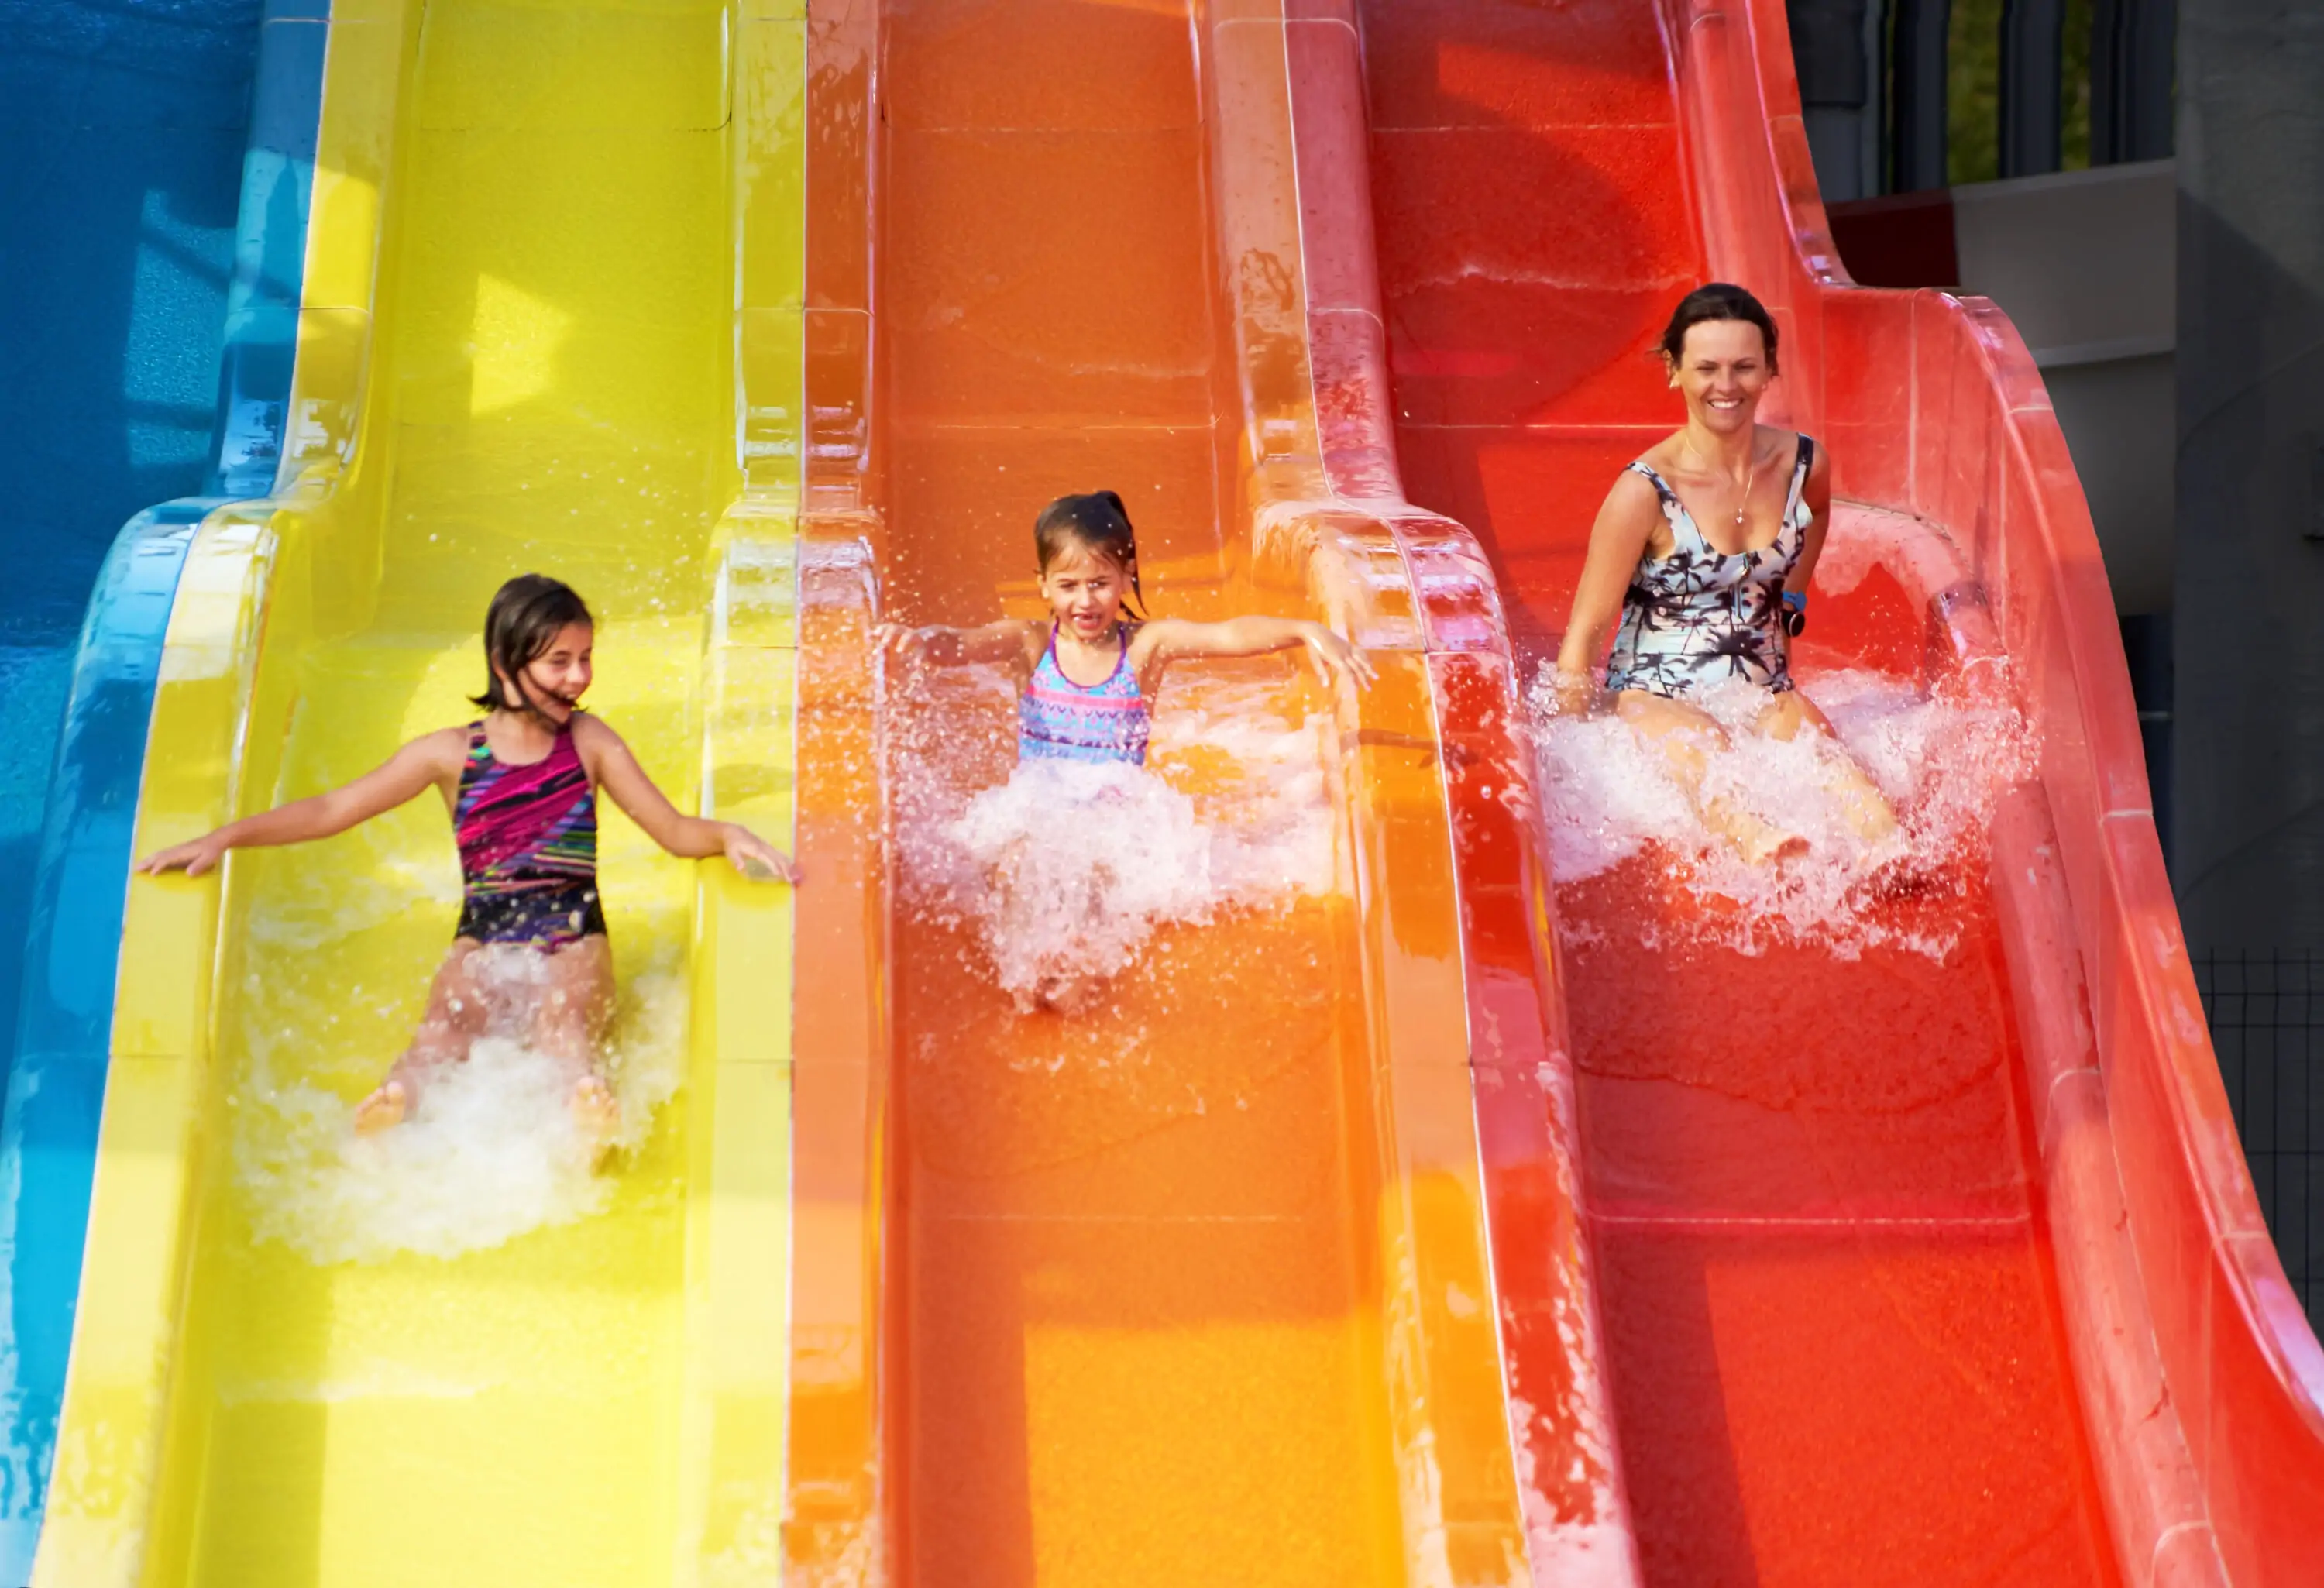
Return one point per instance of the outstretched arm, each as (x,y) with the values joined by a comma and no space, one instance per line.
(937,646)
(689,837)
(432,759)
(1617,542)
(1169,639)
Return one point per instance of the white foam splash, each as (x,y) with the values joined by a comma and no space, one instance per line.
(490,1151)
(1609,798)
(1066,869)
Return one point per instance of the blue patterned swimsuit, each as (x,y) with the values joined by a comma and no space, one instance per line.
(1060,720)
(1701,616)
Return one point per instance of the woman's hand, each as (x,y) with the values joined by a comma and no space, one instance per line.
(1338,658)
(755,858)
(193,857)
(1573,694)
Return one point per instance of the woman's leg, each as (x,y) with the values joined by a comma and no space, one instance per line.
(455,1018)
(1687,737)
(568,1023)
(1865,808)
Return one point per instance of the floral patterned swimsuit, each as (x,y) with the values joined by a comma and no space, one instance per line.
(1701,617)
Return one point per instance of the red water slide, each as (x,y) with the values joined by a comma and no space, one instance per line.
(1911,1270)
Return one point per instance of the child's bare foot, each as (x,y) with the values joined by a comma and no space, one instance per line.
(597,1116)
(384,1110)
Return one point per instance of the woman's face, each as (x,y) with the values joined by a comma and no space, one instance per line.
(1722,372)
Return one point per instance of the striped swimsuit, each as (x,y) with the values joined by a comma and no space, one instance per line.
(1060,720)
(528,838)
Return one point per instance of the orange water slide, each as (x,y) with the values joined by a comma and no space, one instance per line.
(1911,1270)
(1195,1288)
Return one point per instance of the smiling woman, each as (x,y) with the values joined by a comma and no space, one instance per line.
(1708,600)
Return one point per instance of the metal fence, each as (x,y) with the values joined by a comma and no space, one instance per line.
(2266,1013)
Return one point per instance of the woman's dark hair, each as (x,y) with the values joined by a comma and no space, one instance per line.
(522,623)
(1716,302)
(1095,522)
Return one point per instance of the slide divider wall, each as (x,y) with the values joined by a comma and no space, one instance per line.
(2202,1383)
(1417,592)
(840,1508)
(1577,1515)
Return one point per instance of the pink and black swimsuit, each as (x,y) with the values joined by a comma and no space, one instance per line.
(527,839)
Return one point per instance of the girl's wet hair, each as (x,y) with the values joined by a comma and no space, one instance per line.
(522,623)
(1717,300)
(1095,522)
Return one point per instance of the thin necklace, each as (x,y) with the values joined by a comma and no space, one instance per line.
(1749,474)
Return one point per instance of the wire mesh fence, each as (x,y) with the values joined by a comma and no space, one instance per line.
(2266,1014)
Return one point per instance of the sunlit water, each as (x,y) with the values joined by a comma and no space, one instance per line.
(490,1151)
(1062,870)
(1609,800)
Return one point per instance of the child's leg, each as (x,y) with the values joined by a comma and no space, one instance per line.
(1866,808)
(454,1019)
(1686,736)
(568,1023)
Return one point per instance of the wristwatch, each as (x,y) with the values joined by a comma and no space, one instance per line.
(1795,612)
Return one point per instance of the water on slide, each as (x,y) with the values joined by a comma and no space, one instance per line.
(452,1355)
(1836,1351)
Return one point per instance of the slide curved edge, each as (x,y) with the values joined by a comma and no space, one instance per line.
(2241,1371)
(50,1123)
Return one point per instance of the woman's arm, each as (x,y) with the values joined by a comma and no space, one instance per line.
(1617,542)
(432,759)
(690,837)
(1168,640)
(937,646)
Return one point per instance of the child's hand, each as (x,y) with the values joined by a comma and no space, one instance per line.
(898,643)
(1337,658)
(193,858)
(756,858)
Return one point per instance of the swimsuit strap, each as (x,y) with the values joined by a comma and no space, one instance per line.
(1800,467)
(1675,510)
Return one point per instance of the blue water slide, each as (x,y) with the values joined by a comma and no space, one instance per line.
(79,876)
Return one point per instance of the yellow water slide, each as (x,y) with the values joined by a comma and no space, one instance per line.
(534,231)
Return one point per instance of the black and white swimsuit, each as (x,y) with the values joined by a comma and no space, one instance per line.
(1701,617)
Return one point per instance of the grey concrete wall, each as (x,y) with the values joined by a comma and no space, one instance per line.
(2249,610)
(2249,834)
(2085,262)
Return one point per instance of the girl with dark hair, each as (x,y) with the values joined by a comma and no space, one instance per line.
(1086,674)
(1090,665)
(521,785)
(1699,564)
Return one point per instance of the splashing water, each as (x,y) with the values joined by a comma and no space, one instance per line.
(1066,869)
(1609,801)
(490,1152)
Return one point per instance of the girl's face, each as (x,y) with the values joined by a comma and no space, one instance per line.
(1722,372)
(1085,590)
(557,678)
